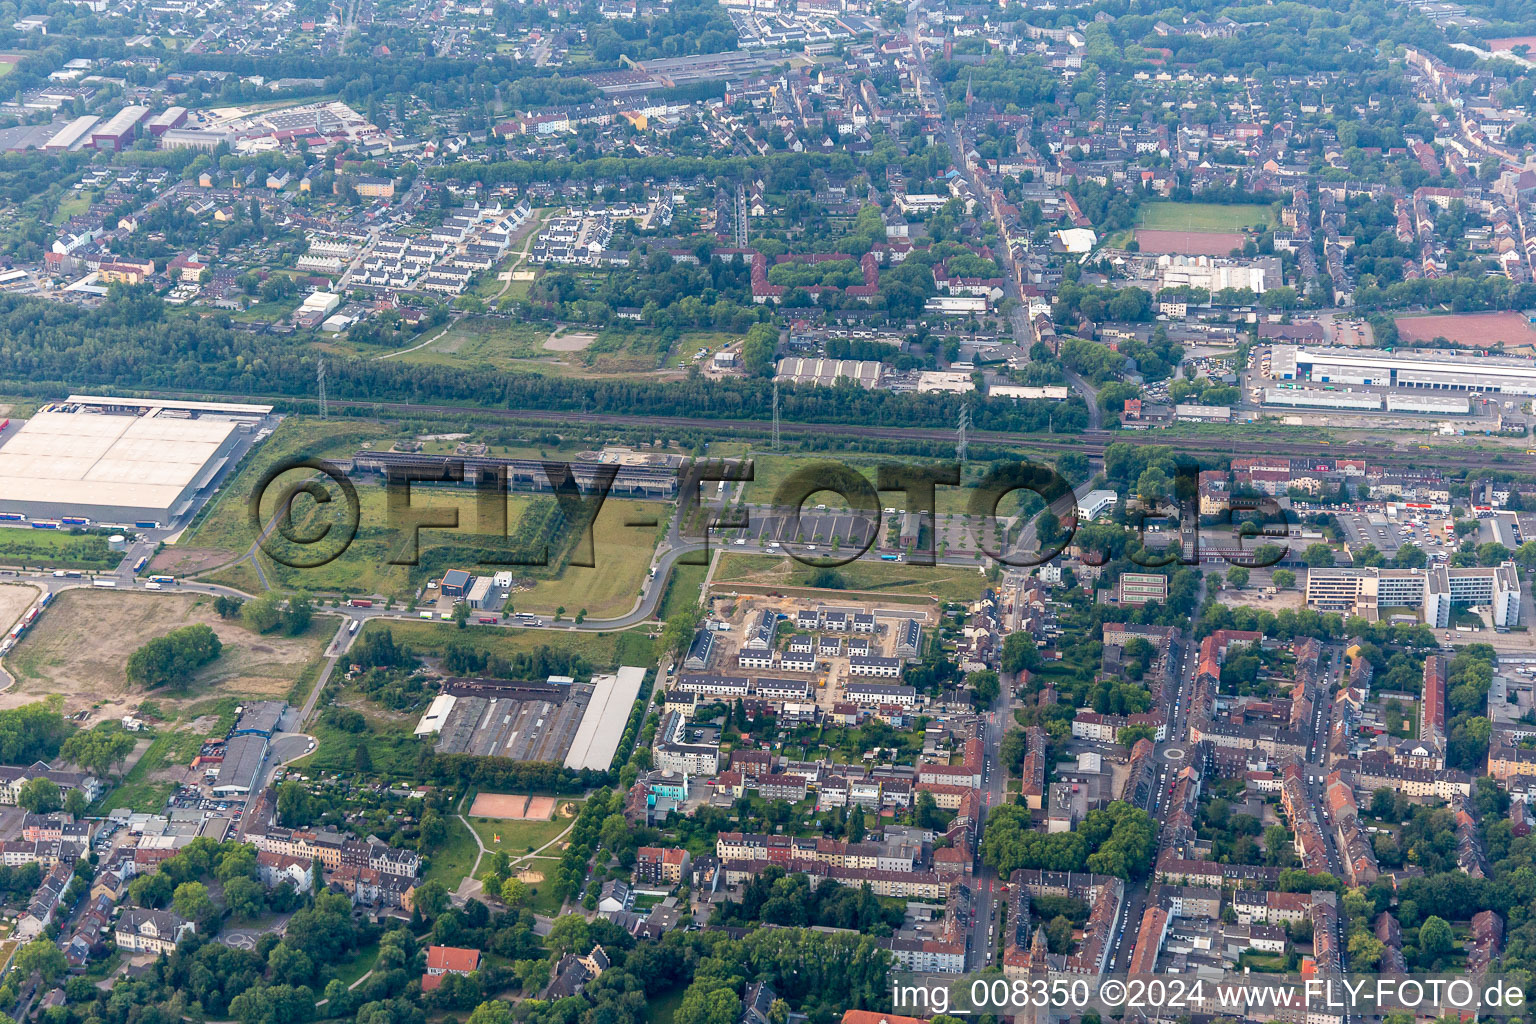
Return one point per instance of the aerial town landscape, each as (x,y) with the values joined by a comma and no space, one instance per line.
(765,511)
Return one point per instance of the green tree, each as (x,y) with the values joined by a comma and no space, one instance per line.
(40,796)
(171,660)
(513,892)
(759,349)
(1128,736)
(42,958)
(191,901)
(245,898)
(494,1011)
(1237,576)
(263,614)
(1283,578)
(1318,556)
(1436,937)
(98,749)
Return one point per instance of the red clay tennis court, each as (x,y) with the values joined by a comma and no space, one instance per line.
(500,805)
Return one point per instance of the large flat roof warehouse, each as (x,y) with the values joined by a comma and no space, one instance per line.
(1390,369)
(114,459)
(603,723)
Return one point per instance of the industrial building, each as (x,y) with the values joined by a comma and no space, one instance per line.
(72,136)
(1368,591)
(607,715)
(1317,398)
(1388,369)
(171,117)
(1439,405)
(120,460)
(120,130)
(243,758)
(863,372)
(649,477)
(524,721)
(576,724)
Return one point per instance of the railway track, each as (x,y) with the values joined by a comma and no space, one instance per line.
(1090,442)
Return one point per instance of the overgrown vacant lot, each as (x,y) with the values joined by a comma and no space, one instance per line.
(79,647)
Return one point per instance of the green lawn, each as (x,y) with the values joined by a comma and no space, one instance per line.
(518,837)
(662,1009)
(941,582)
(358,964)
(622,557)
(391,743)
(1215,217)
(489,341)
(56,549)
(682,589)
(137,792)
(602,650)
(622,552)
(72,205)
(455,858)
(224,524)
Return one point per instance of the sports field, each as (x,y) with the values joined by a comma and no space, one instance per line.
(1188,243)
(515,806)
(1204,217)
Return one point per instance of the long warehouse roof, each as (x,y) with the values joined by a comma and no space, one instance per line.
(1356,357)
(602,725)
(127,461)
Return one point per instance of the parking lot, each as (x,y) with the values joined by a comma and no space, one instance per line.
(844,528)
(1361,528)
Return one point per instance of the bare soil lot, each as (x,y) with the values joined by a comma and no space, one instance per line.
(80,646)
(1189,243)
(1474,329)
(15,599)
(560,341)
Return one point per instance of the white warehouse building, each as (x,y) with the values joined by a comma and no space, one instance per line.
(1317,398)
(1386,369)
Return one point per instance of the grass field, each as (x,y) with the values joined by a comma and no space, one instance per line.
(359,963)
(491,341)
(682,589)
(146,786)
(623,558)
(224,533)
(52,549)
(72,205)
(1215,217)
(384,537)
(455,858)
(602,650)
(222,530)
(946,583)
(392,745)
(506,345)
(520,837)
(79,647)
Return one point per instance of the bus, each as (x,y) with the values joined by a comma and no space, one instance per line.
(890,558)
